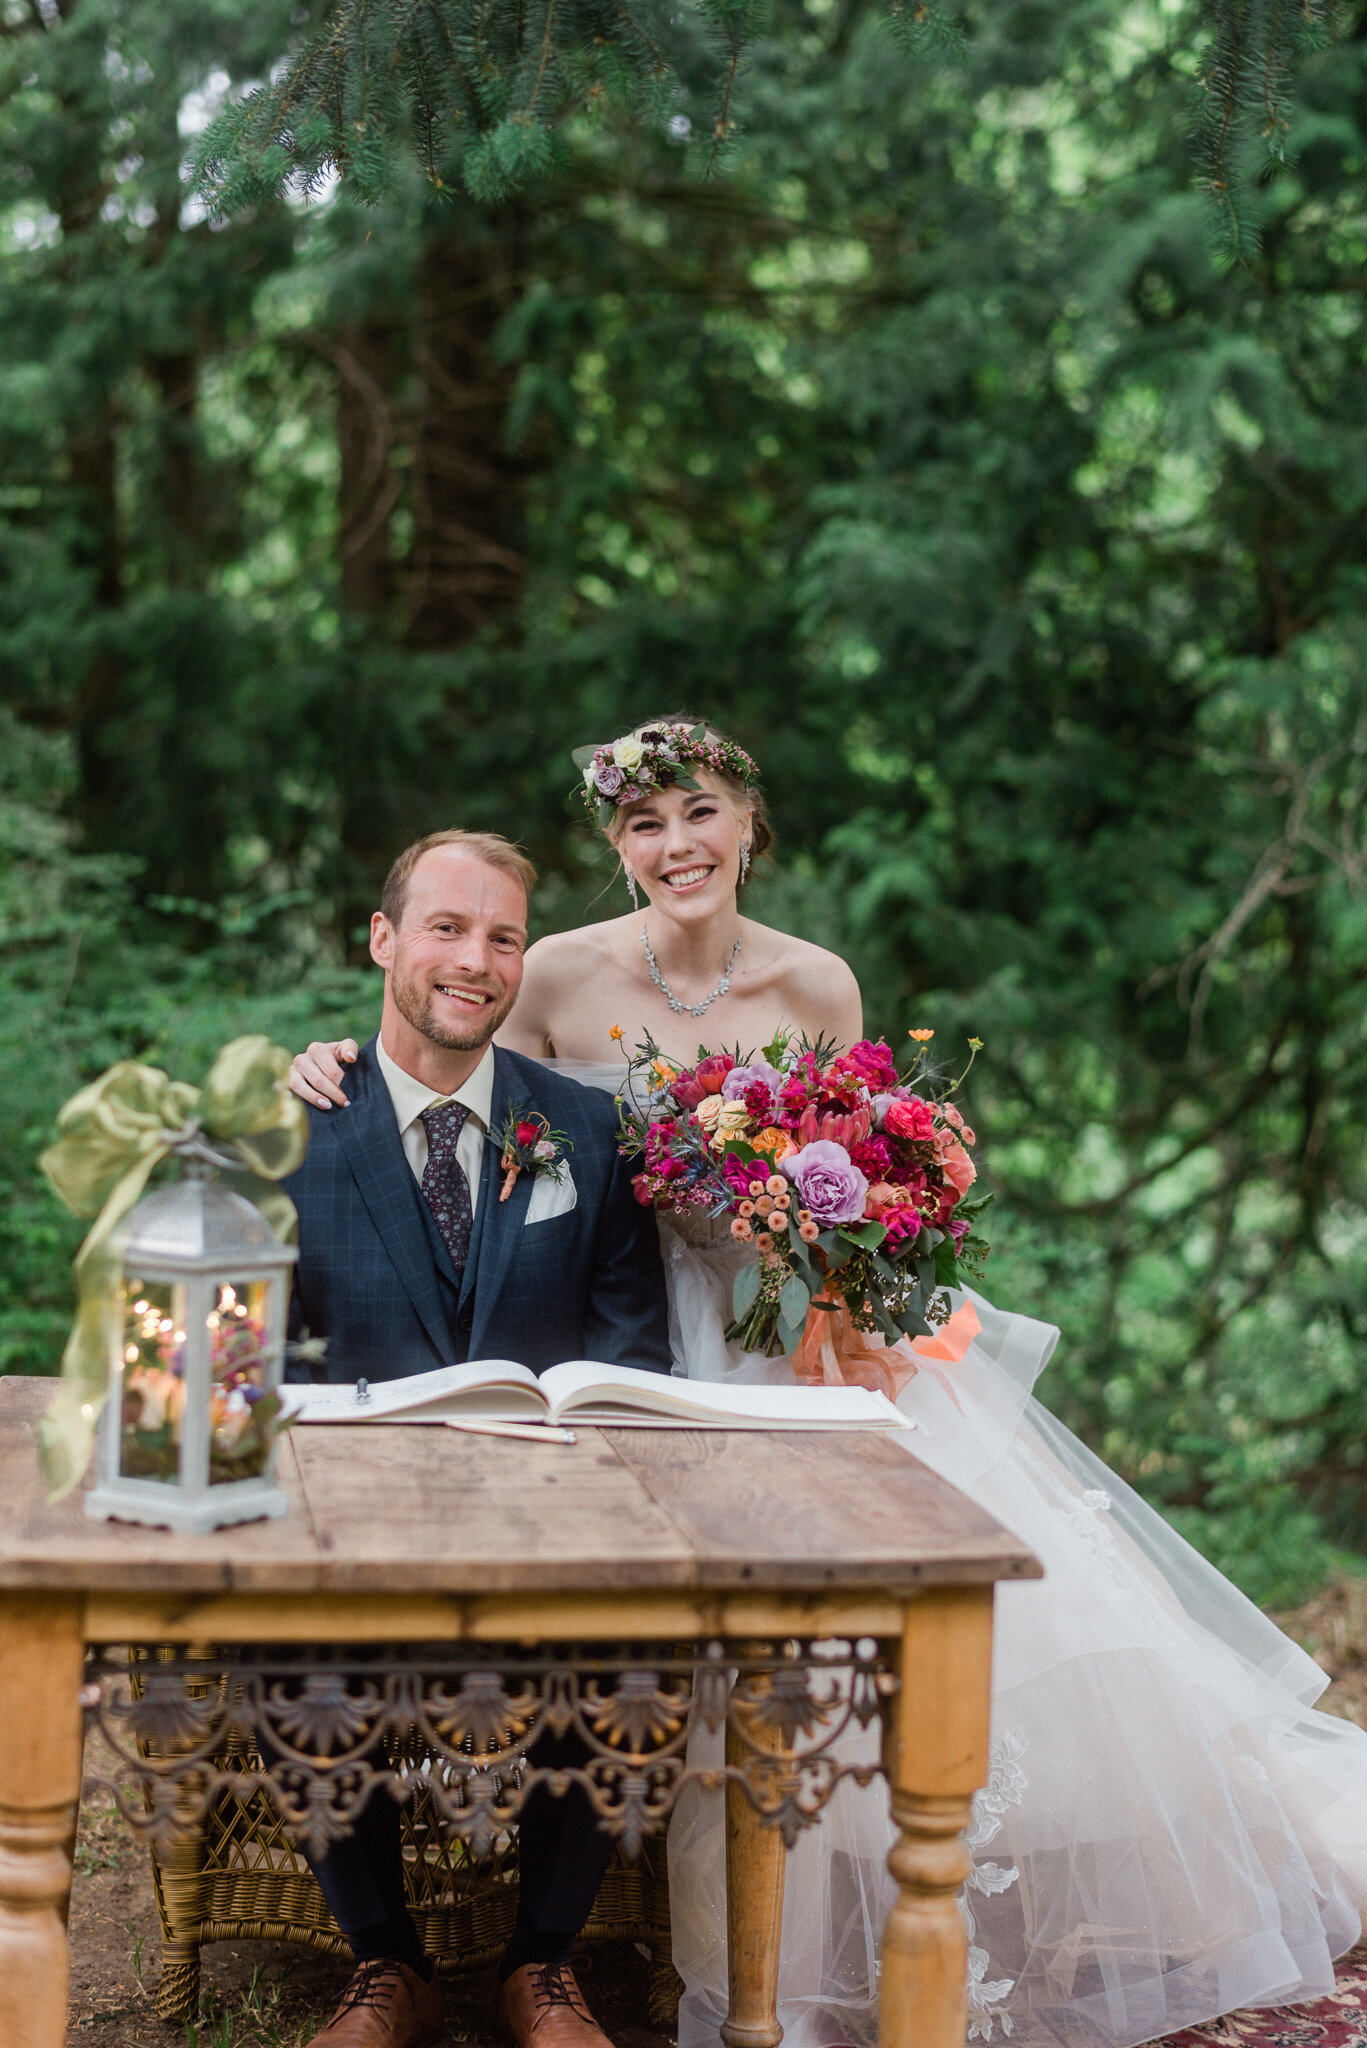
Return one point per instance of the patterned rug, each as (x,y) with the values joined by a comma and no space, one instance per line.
(1338,2021)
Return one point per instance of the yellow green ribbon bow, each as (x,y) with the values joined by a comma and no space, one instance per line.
(113,1134)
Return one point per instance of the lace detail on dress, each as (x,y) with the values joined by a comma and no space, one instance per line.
(1004,1789)
(1083,1517)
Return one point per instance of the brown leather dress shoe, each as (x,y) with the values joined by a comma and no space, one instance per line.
(541,2006)
(386,2005)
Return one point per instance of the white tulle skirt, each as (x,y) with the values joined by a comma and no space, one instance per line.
(1170,1831)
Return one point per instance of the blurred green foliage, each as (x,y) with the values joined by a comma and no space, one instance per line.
(931,450)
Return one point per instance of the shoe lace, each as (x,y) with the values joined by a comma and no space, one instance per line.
(373,1984)
(553,1984)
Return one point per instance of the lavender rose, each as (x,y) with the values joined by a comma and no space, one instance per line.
(740,1079)
(828,1182)
(609,778)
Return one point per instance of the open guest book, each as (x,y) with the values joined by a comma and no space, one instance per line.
(495,1390)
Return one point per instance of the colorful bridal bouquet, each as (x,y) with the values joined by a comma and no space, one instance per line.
(849,1182)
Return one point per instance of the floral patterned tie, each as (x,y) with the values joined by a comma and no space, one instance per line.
(444,1186)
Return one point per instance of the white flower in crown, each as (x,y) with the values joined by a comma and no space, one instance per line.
(589,774)
(628,753)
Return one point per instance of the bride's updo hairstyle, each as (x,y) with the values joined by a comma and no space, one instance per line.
(664,751)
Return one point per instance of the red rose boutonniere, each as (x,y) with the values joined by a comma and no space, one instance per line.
(527,1140)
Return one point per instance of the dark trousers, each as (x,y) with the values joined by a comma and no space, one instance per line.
(562,1854)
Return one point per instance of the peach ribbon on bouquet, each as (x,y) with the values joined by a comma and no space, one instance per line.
(832,1353)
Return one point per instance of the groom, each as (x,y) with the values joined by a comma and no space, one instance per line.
(409,1260)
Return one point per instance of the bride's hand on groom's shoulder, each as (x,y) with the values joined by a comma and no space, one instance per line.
(316,1075)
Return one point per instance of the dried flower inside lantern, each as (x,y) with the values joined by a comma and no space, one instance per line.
(189,1430)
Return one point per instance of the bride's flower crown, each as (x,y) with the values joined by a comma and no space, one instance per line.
(652,758)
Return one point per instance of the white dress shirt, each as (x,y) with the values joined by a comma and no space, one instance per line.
(410,1098)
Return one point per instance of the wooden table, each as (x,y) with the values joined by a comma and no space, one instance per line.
(404,1535)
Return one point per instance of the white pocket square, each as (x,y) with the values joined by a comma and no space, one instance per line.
(551,1198)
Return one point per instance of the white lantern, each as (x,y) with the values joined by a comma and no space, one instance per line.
(196,1349)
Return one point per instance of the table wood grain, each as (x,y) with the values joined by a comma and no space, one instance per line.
(388,1509)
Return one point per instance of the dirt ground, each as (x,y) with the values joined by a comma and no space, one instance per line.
(270,1995)
(255,1994)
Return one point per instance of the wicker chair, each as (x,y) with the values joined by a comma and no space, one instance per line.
(239,1877)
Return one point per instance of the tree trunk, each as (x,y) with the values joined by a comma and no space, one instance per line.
(468,563)
(365,360)
(92,461)
(179,507)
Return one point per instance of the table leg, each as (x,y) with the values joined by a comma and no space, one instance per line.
(41,1654)
(936,1759)
(754,1900)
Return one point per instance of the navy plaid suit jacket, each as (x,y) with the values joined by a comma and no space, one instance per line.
(375,1278)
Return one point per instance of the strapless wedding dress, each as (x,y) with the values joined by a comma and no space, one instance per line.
(1170,1830)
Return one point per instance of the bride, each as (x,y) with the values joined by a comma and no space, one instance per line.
(1170,1831)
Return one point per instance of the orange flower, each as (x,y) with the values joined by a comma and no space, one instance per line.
(615,1031)
(763,1242)
(921,1037)
(776,1144)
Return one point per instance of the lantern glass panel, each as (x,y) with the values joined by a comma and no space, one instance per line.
(239,1329)
(156,1352)
(153,1395)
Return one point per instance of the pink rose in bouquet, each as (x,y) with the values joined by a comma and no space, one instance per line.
(911,1119)
(954,1162)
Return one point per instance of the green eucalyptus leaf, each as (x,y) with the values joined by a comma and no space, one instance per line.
(790,1334)
(745,1292)
(793,1299)
(868,1236)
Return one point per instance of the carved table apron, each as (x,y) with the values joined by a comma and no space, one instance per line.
(474,1590)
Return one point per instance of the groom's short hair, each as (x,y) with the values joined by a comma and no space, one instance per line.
(490,847)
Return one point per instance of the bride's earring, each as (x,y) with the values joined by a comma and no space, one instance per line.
(744,861)
(631,884)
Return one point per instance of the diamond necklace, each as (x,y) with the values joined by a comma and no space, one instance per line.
(687,1009)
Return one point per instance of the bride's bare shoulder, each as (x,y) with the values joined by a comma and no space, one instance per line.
(562,958)
(817,988)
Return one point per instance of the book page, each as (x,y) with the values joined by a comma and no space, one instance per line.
(583,1391)
(490,1388)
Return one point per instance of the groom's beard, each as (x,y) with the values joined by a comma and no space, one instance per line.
(415,1001)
